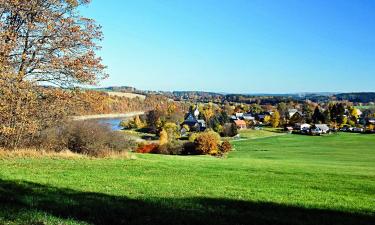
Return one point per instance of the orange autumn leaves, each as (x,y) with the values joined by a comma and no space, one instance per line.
(48,41)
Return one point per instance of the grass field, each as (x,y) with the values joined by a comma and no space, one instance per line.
(287,179)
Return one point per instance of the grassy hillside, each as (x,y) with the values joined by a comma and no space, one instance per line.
(286,179)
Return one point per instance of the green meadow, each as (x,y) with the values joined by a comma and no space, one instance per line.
(269,178)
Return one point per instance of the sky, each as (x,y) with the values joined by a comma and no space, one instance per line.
(238,46)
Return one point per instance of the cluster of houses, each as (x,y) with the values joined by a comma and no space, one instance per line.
(241,120)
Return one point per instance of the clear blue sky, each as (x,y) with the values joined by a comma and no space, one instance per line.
(238,46)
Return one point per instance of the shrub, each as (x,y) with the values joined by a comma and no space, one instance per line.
(225,147)
(208,143)
(85,137)
(189,149)
(193,136)
(135,123)
(171,148)
(147,148)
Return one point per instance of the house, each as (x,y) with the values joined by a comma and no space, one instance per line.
(248,117)
(291,112)
(233,117)
(241,124)
(239,116)
(195,124)
(302,127)
(323,127)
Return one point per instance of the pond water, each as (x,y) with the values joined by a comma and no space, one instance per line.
(113,123)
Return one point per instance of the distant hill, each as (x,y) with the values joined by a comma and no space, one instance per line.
(359,97)
(117,89)
(364,97)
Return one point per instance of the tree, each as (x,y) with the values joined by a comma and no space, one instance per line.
(153,120)
(172,130)
(163,137)
(317,117)
(208,112)
(43,42)
(283,110)
(267,119)
(48,41)
(135,123)
(307,112)
(138,122)
(275,119)
(255,108)
(327,116)
(354,115)
(208,143)
(229,130)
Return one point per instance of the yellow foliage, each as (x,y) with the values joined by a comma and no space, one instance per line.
(163,139)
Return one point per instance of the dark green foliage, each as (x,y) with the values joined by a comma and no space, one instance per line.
(318,116)
(337,112)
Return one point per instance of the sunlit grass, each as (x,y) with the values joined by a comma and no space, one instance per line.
(273,177)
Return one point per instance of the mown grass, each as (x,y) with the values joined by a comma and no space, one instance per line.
(288,179)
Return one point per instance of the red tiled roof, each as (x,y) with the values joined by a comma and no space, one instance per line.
(240,123)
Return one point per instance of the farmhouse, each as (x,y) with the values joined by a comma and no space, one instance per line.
(241,124)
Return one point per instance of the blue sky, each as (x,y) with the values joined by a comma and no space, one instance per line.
(238,46)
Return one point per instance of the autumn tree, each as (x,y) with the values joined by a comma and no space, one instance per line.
(48,41)
(43,42)
(163,137)
(208,112)
(172,131)
(208,143)
(275,119)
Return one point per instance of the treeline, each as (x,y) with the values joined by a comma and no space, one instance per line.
(97,102)
(364,97)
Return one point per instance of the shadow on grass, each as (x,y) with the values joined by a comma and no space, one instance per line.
(16,198)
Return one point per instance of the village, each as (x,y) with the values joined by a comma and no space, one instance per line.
(295,122)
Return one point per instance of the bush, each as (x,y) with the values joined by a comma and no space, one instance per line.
(189,149)
(193,136)
(147,148)
(207,143)
(171,148)
(225,147)
(85,137)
